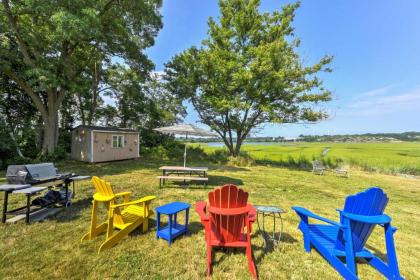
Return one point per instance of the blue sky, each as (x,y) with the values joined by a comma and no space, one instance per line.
(376,45)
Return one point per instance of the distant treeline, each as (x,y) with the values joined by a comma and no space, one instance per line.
(367,137)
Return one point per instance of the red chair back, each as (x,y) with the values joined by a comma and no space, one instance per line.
(227,228)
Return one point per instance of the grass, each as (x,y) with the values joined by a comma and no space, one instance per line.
(401,157)
(52,249)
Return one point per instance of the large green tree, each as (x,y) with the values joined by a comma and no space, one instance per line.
(17,116)
(51,49)
(142,102)
(247,73)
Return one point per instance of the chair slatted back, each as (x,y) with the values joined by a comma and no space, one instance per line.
(371,202)
(227,228)
(104,189)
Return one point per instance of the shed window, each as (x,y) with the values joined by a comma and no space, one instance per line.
(117,141)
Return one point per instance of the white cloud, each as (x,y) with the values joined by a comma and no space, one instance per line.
(383,101)
(378,91)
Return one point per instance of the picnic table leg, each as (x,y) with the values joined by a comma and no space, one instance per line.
(164,174)
(6,198)
(205,176)
(28,207)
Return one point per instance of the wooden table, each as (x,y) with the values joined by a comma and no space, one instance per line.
(183,173)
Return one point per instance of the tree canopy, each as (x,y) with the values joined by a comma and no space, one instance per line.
(248,72)
(52,50)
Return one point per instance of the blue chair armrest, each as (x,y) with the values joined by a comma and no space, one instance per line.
(305,212)
(379,219)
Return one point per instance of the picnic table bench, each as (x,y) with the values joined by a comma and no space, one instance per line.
(183,174)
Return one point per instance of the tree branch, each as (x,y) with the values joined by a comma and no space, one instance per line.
(35,97)
(20,41)
(106,7)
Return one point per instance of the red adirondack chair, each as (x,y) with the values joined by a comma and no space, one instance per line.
(225,219)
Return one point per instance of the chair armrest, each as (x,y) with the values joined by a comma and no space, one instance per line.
(305,212)
(122,194)
(252,214)
(200,208)
(138,201)
(103,198)
(379,219)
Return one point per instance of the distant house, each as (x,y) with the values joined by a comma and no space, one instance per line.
(99,144)
(291,139)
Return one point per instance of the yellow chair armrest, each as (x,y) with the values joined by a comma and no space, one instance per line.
(102,198)
(122,194)
(138,201)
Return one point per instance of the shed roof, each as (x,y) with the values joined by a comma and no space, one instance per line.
(106,128)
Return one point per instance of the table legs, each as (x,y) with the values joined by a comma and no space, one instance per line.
(28,207)
(170,229)
(263,231)
(186,218)
(173,229)
(6,198)
(157,224)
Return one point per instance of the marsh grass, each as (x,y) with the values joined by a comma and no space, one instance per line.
(52,249)
(392,158)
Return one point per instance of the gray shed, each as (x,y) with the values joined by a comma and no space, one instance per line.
(99,144)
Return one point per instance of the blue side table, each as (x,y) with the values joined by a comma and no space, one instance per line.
(173,229)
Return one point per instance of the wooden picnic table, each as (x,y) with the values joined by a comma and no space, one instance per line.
(183,173)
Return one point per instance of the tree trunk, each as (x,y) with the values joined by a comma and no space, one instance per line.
(238,147)
(228,145)
(50,139)
(95,93)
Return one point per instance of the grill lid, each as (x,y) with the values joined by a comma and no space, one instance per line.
(31,173)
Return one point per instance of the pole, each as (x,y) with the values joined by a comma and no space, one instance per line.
(185,154)
(185,150)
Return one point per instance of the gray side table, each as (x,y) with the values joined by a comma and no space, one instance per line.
(273,212)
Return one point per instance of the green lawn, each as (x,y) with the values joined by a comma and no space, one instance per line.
(52,249)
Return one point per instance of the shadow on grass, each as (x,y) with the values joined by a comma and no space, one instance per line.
(222,180)
(216,181)
(269,246)
(193,228)
(73,212)
(127,166)
(107,168)
(182,185)
(378,253)
(228,168)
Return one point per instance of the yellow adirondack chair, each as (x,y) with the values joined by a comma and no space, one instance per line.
(125,217)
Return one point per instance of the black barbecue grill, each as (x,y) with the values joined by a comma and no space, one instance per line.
(34,174)
(32,180)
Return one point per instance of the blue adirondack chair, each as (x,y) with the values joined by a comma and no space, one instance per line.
(342,243)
